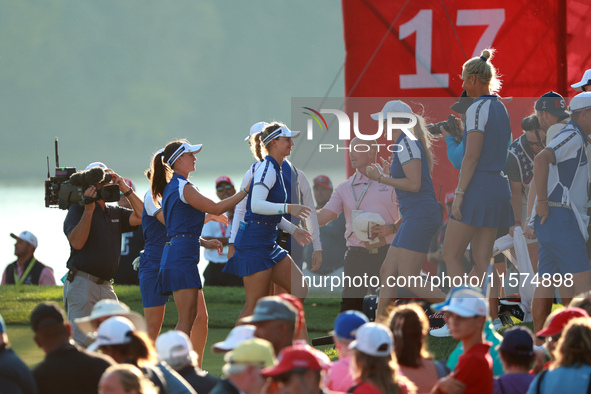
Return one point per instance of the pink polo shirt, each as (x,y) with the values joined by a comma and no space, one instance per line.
(378,198)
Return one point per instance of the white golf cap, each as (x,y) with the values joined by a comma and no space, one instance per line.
(282,131)
(464,302)
(586,80)
(184,148)
(172,345)
(580,102)
(113,331)
(26,236)
(374,339)
(256,128)
(237,335)
(363,223)
(391,107)
(96,164)
(106,308)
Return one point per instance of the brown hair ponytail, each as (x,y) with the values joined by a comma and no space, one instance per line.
(162,172)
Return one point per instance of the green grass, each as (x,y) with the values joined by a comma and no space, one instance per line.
(223,305)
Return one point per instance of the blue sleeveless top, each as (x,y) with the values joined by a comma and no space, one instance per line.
(154,231)
(179,216)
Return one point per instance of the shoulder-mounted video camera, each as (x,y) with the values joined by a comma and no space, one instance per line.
(67,186)
(450,125)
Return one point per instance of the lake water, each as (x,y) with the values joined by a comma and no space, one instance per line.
(23,208)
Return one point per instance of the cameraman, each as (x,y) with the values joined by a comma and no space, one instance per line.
(94,233)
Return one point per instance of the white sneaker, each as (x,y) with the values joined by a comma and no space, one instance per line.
(497,324)
(441,332)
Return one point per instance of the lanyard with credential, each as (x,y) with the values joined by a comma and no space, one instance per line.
(358,200)
(18,281)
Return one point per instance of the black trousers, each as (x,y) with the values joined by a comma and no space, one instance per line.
(360,263)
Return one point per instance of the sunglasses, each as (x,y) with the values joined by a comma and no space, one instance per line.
(222,188)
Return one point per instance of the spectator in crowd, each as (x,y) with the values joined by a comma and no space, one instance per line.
(26,269)
(213,274)
(275,321)
(67,368)
(237,335)
(175,349)
(243,367)
(339,377)
(15,376)
(561,177)
(455,145)
(583,84)
(517,354)
(356,196)
(132,243)
(94,233)
(410,328)
(125,379)
(571,371)
(375,363)
(466,315)
(331,235)
(298,371)
(118,338)
(482,202)
(554,326)
(582,301)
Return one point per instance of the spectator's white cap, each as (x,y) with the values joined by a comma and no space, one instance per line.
(106,308)
(26,236)
(374,339)
(256,128)
(586,80)
(580,102)
(173,345)
(391,107)
(113,331)
(464,302)
(237,335)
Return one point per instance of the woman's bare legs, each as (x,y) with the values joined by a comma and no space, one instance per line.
(200,328)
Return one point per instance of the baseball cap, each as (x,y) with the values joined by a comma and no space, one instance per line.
(272,308)
(237,335)
(586,80)
(184,148)
(173,344)
(113,331)
(223,178)
(129,183)
(580,102)
(323,180)
(107,308)
(463,301)
(391,107)
(553,103)
(26,236)
(374,339)
(449,197)
(256,128)
(559,319)
(347,323)
(363,223)
(293,357)
(2,325)
(282,131)
(45,314)
(518,341)
(96,164)
(462,105)
(257,352)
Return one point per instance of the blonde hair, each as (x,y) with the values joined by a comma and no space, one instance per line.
(574,345)
(484,70)
(425,139)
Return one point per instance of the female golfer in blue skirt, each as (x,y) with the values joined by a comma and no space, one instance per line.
(410,175)
(257,257)
(184,209)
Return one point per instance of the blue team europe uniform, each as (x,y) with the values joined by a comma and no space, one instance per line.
(155,238)
(420,210)
(487,198)
(178,267)
(255,244)
(562,237)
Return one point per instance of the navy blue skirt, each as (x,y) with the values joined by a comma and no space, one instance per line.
(178,267)
(418,228)
(256,249)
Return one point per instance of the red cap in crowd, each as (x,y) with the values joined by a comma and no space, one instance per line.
(559,321)
(293,357)
(323,180)
(223,178)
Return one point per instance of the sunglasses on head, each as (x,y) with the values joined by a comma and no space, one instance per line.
(222,188)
